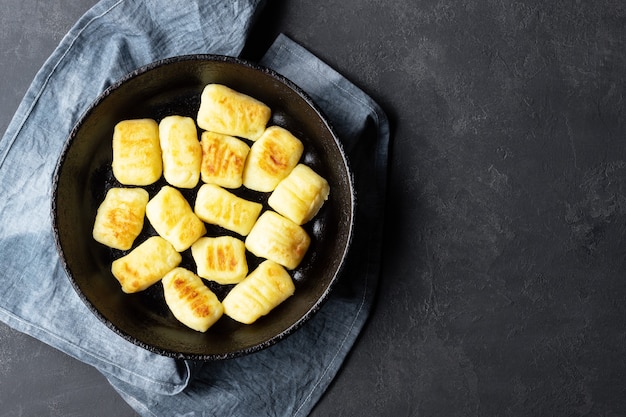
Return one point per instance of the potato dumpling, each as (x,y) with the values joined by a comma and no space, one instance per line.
(271,159)
(300,196)
(220,207)
(223,159)
(173,219)
(137,152)
(279,239)
(146,264)
(190,301)
(259,293)
(181,151)
(120,217)
(224,110)
(221,259)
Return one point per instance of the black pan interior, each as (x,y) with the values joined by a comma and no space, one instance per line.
(84,175)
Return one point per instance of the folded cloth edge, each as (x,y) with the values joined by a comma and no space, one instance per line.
(43,76)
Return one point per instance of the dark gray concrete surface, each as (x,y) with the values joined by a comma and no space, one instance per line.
(503,282)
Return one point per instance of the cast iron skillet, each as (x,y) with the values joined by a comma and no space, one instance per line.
(83,175)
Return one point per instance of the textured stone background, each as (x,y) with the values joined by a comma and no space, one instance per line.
(503,284)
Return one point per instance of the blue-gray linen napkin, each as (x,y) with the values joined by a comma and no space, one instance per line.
(112,39)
